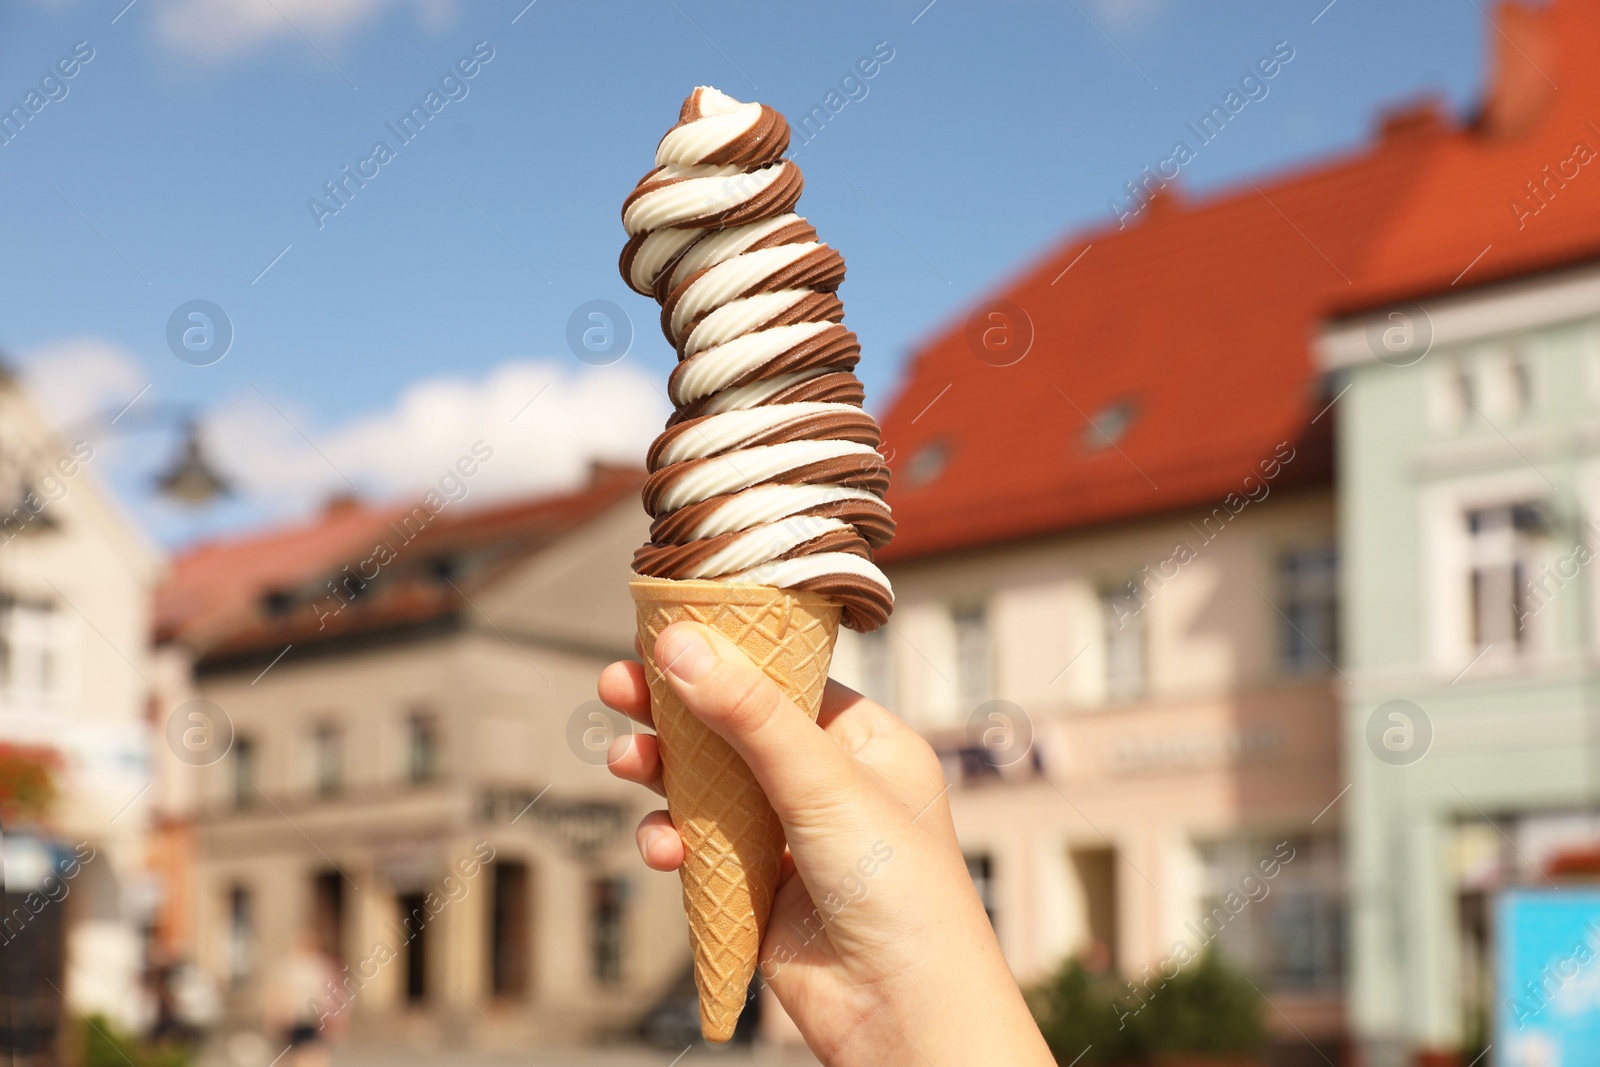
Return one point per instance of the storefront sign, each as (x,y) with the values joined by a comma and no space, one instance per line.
(1547,981)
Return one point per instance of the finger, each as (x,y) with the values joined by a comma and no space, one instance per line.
(799,766)
(659,842)
(622,688)
(636,758)
(839,699)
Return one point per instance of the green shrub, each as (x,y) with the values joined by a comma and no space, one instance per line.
(105,1046)
(1076,1011)
(1207,1009)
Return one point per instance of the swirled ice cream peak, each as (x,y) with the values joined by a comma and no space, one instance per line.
(768,470)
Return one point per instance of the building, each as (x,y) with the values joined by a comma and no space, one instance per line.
(396,755)
(1469,346)
(1116,572)
(76,582)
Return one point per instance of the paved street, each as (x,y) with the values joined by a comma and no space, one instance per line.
(248,1050)
(630,1056)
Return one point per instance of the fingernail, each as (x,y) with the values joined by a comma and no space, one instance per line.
(650,840)
(685,655)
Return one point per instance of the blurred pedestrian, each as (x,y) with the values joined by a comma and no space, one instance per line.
(294,1000)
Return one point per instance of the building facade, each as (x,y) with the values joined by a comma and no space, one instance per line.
(1120,764)
(1468,731)
(1116,574)
(409,772)
(76,583)
(1467,353)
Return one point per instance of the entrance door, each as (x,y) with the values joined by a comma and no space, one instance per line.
(1096,869)
(414,921)
(32,952)
(327,913)
(509,949)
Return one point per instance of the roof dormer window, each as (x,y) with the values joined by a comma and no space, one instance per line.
(1109,425)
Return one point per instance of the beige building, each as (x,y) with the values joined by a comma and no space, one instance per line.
(399,753)
(1111,785)
(76,581)
(1116,573)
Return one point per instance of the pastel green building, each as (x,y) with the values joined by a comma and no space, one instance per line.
(1469,479)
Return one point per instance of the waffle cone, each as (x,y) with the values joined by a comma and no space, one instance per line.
(732,840)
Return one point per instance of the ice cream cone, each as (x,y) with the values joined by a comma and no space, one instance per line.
(732,840)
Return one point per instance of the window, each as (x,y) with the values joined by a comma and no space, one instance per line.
(33,653)
(974,656)
(1275,907)
(607,896)
(277,603)
(981,869)
(327,759)
(244,772)
(1453,399)
(422,748)
(1109,425)
(926,464)
(1502,551)
(1123,611)
(1462,383)
(1309,579)
(877,666)
(241,935)
(1519,383)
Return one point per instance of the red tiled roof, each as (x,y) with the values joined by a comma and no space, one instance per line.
(1196,319)
(1463,228)
(217,585)
(216,598)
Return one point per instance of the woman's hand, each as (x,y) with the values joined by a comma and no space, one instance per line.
(878,947)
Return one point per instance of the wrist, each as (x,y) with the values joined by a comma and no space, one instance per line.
(956,1003)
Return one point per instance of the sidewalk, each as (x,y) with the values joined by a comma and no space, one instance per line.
(625,1056)
(252,1050)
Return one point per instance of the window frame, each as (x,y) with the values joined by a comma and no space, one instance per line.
(1108,598)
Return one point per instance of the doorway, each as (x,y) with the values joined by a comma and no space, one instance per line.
(414,921)
(327,913)
(1096,869)
(509,948)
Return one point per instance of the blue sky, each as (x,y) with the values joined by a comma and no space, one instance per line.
(375,348)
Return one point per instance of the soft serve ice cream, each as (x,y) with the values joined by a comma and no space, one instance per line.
(768,471)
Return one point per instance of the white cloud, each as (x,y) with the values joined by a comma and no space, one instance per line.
(217,28)
(77,379)
(579,415)
(1128,16)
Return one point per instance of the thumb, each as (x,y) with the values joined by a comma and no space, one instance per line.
(796,762)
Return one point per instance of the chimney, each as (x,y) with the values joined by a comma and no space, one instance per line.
(339,503)
(1523,61)
(1412,120)
(603,471)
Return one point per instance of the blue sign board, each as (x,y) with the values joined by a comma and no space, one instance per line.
(1547,978)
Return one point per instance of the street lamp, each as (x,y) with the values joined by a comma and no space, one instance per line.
(191,479)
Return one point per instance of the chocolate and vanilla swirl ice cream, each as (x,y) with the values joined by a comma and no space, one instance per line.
(768,470)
